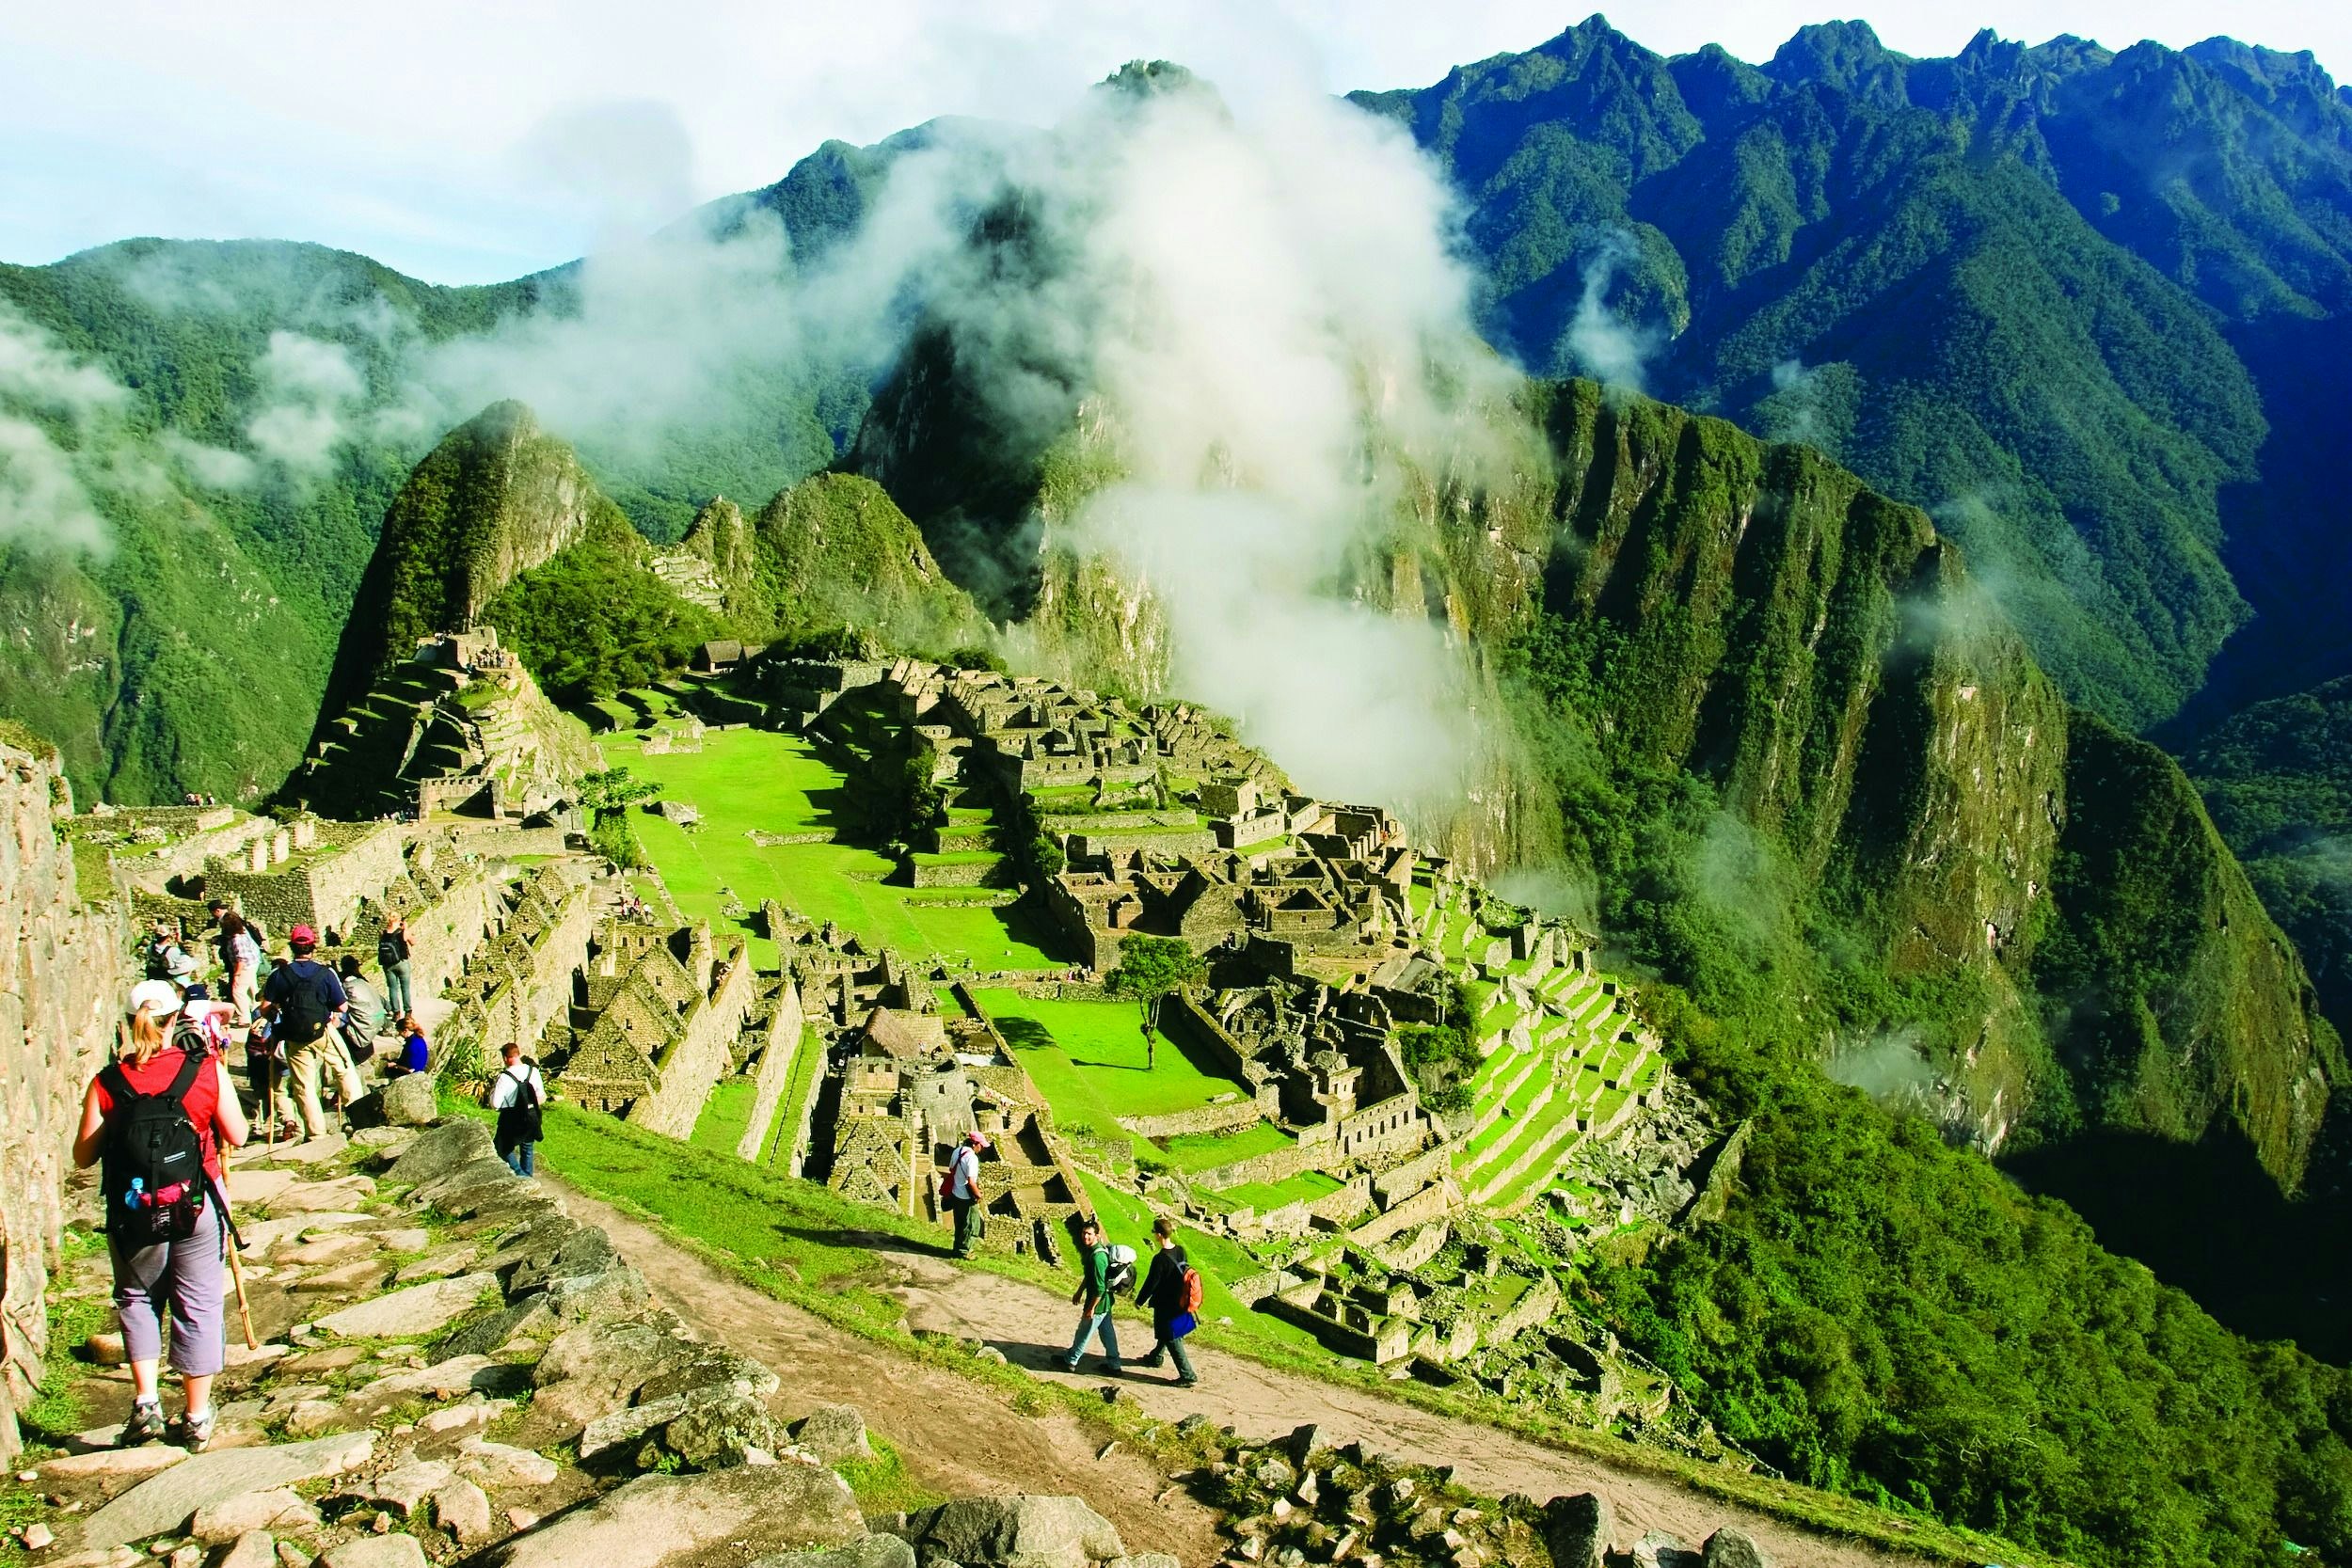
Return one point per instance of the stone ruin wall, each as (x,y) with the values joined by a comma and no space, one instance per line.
(60,975)
(521,1008)
(699,1055)
(776,1059)
(325,892)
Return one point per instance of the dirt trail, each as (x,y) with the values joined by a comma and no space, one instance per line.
(953,1438)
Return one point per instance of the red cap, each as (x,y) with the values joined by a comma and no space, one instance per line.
(302,936)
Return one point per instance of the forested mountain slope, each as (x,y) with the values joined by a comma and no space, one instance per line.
(2087,308)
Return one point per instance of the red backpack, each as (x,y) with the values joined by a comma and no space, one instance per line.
(1192,1289)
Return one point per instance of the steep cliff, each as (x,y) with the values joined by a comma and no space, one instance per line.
(60,978)
(2059,927)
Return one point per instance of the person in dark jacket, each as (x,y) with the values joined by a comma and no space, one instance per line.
(1162,1292)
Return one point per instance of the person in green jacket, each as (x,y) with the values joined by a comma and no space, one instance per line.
(1095,1296)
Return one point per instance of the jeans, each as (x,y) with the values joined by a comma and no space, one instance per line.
(1100,1319)
(396,988)
(1175,1350)
(518,1159)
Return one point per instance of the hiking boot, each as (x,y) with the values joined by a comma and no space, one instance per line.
(1151,1361)
(191,1431)
(145,1425)
(1114,1368)
(1187,1383)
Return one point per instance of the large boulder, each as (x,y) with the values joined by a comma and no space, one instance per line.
(576,1251)
(875,1551)
(618,1356)
(725,1430)
(169,1500)
(1013,1531)
(749,1511)
(443,1150)
(404,1314)
(408,1101)
(1578,1529)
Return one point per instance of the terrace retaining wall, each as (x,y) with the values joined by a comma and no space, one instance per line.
(699,1054)
(776,1059)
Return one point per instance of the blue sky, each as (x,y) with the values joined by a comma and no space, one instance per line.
(475,142)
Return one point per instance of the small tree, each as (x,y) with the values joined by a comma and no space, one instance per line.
(1150,968)
(606,796)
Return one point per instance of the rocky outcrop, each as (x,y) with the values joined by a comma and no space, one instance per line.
(60,982)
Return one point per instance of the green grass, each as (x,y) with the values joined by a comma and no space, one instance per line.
(1263,1195)
(882,1483)
(1196,1151)
(746,779)
(1087,1057)
(725,1114)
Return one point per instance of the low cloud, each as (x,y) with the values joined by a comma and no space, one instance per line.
(1605,346)
(312,389)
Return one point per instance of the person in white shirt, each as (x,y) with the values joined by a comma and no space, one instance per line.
(516,1095)
(964,1190)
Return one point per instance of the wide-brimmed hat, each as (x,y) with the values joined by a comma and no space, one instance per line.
(182,963)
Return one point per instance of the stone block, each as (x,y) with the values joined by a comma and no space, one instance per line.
(168,1502)
(657,1521)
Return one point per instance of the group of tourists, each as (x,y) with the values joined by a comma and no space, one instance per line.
(160,1115)
(1170,1287)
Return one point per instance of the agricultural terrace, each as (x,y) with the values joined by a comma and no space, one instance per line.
(753,780)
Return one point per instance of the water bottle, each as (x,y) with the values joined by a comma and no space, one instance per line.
(136,1196)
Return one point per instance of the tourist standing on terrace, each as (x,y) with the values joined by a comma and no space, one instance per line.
(159,1116)
(964,1190)
(306,1001)
(241,961)
(1168,1290)
(516,1094)
(392,951)
(1097,1293)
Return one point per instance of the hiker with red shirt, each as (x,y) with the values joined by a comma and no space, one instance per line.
(160,1075)
(1167,1289)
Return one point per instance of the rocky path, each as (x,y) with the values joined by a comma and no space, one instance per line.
(952,1437)
(925,1410)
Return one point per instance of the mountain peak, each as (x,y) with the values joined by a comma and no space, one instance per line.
(1846,55)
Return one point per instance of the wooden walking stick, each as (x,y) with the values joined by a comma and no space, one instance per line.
(231,1243)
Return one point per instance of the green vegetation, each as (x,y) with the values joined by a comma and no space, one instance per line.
(594,622)
(1977,282)
(606,796)
(1088,1059)
(1884,1315)
(1150,967)
(743,781)
(1198,1152)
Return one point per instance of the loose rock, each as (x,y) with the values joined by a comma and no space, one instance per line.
(659,1520)
(834,1433)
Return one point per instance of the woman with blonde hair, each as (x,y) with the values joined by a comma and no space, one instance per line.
(159,1116)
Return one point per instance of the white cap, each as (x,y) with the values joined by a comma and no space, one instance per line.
(154,996)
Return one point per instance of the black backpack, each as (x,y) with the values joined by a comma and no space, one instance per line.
(302,1016)
(154,1179)
(392,948)
(518,1122)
